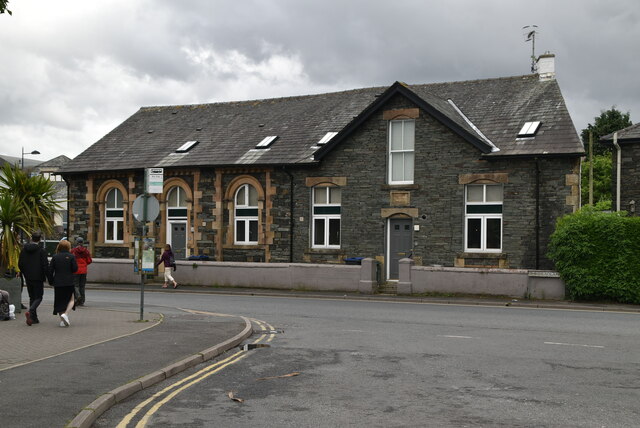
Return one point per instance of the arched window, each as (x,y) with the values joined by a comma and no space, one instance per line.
(327,201)
(114,217)
(246,215)
(177,202)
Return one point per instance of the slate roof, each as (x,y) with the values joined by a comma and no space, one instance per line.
(487,113)
(54,163)
(15,160)
(630,134)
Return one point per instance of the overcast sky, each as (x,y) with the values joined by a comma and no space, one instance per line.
(72,70)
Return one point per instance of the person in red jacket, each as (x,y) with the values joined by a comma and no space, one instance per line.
(83,258)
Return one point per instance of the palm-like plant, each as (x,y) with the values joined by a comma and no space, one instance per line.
(27,204)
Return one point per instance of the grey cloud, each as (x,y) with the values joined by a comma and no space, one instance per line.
(92,70)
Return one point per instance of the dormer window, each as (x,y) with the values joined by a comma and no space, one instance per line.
(529,129)
(266,142)
(186,146)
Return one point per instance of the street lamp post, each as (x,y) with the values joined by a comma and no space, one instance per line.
(35,152)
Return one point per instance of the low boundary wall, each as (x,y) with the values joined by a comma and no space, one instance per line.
(284,276)
(519,283)
(523,283)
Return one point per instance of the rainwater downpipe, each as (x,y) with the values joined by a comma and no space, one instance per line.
(66,231)
(291,222)
(537,213)
(618,165)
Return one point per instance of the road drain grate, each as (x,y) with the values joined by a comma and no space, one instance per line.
(250,346)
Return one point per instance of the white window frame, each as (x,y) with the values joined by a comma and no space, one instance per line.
(401,152)
(111,223)
(325,218)
(244,221)
(484,218)
(182,195)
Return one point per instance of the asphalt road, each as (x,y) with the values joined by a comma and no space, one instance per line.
(379,364)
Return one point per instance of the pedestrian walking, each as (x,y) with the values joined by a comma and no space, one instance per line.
(61,269)
(169,263)
(34,266)
(83,258)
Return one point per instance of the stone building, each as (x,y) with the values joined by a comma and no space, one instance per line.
(470,173)
(628,140)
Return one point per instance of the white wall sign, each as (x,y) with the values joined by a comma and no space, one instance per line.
(154,180)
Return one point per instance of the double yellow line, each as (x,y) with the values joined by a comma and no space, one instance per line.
(176,388)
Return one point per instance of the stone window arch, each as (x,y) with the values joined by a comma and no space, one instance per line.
(245,203)
(113,201)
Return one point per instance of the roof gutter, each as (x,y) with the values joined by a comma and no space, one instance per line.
(490,156)
(618,165)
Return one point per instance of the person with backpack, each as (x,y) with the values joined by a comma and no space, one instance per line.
(34,266)
(83,258)
(169,263)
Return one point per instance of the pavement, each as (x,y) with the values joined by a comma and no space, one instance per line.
(52,376)
(91,361)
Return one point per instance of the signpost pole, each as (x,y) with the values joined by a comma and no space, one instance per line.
(144,235)
(145,209)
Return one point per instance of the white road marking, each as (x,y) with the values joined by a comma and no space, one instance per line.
(455,337)
(573,344)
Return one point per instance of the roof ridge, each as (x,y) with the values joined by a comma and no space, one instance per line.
(261,100)
(450,82)
(293,97)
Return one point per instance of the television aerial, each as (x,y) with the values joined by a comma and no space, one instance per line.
(530,32)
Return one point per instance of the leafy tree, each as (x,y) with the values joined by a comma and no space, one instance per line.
(27,204)
(12,223)
(601,181)
(609,121)
(3,7)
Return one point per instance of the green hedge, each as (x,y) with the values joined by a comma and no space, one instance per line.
(598,255)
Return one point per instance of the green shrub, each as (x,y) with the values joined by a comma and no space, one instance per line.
(597,255)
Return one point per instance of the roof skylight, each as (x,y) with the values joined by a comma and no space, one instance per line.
(186,146)
(327,137)
(266,142)
(529,129)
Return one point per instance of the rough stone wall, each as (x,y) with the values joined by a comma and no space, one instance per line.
(630,178)
(205,220)
(78,208)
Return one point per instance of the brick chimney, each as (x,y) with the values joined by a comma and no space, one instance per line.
(546,66)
